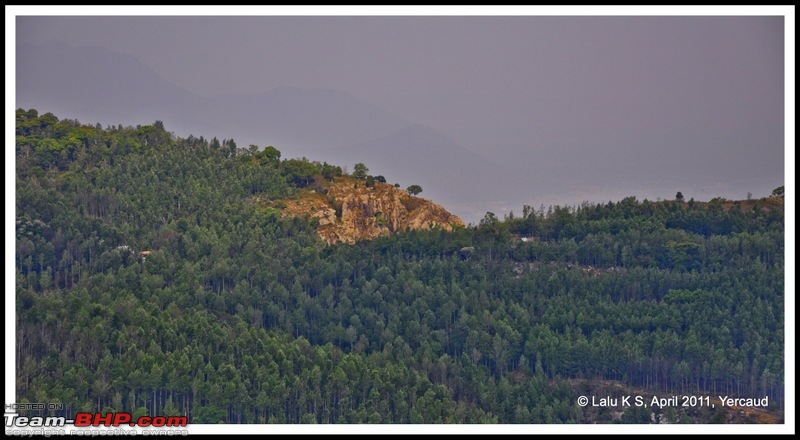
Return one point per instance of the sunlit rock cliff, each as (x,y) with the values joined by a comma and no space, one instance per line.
(347,210)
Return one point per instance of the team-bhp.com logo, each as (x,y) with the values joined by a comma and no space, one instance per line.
(123,418)
(85,420)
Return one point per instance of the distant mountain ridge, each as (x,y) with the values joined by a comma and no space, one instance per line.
(426,157)
(100,85)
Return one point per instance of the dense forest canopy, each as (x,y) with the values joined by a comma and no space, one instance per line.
(149,280)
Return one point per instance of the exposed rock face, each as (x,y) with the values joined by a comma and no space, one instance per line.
(350,211)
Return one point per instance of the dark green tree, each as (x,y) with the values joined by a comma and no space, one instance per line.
(330,171)
(360,171)
(269,155)
(414,189)
(300,172)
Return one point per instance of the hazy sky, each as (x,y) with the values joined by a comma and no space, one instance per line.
(508,73)
(634,98)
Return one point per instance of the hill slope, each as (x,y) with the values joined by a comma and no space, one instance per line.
(153,276)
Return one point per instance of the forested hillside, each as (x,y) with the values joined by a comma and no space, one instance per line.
(151,279)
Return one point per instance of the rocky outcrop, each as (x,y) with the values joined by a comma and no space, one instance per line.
(348,211)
